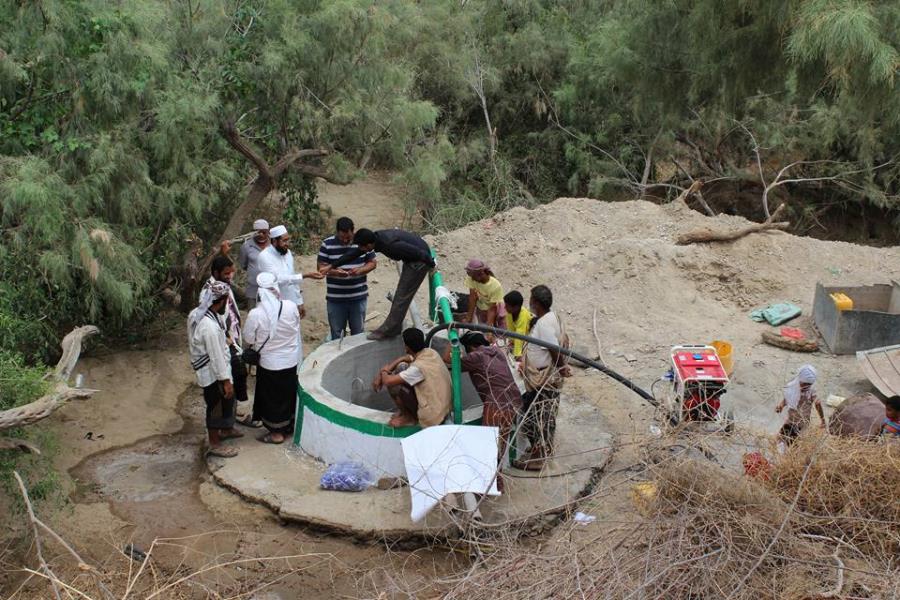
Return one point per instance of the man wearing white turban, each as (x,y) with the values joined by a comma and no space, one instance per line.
(278,261)
(273,330)
(799,398)
(211,361)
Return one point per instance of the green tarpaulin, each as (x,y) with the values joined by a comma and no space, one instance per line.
(776,314)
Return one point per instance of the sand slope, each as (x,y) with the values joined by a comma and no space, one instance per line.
(650,294)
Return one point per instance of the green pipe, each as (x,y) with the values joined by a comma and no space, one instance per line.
(446,315)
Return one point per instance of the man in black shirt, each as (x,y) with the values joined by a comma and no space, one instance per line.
(399,245)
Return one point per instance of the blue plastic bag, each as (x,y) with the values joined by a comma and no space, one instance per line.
(346,477)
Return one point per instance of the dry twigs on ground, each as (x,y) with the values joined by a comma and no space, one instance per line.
(826,524)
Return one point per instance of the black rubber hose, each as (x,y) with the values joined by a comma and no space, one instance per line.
(531,340)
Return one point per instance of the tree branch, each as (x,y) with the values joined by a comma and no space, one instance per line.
(316,171)
(293,156)
(32,519)
(234,139)
(26,102)
(708,235)
(762,177)
(71,345)
(37,525)
(44,406)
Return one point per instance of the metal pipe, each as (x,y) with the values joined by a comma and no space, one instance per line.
(453,326)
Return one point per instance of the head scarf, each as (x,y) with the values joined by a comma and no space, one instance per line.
(806,374)
(260,224)
(474,338)
(216,290)
(474,265)
(277,231)
(269,298)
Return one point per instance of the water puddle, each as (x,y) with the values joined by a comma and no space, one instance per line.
(154,483)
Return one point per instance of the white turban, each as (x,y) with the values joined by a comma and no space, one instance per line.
(278,231)
(208,296)
(260,224)
(806,374)
(269,298)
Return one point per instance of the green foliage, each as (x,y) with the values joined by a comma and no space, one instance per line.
(302,212)
(111,155)
(21,384)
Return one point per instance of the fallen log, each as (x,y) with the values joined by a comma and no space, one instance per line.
(793,344)
(44,406)
(705,234)
(17,444)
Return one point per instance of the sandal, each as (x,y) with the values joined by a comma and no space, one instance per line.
(222,451)
(247,421)
(268,439)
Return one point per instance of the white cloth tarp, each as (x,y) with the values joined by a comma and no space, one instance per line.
(449,459)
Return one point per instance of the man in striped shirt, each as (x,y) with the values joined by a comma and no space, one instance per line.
(347,291)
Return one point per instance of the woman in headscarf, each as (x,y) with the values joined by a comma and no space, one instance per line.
(799,398)
(273,330)
(485,295)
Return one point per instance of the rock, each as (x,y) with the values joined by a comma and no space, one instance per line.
(386,483)
(583,351)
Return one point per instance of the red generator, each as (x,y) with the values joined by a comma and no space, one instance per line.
(698,382)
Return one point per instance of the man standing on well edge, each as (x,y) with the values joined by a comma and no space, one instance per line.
(347,291)
(398,245)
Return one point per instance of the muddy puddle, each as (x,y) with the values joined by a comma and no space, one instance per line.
(154,483)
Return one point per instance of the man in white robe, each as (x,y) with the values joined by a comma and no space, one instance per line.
(278,260)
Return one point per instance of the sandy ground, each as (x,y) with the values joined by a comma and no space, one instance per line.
(649,294)
(373,203)
(141,479)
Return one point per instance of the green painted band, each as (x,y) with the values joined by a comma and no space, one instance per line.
(304,399)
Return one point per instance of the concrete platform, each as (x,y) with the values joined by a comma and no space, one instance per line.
(286,480)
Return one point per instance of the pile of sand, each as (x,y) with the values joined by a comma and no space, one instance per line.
(650,294)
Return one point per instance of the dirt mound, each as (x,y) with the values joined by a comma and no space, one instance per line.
(621,259)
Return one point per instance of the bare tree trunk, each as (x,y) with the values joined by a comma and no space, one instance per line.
(476,81)
(266,182)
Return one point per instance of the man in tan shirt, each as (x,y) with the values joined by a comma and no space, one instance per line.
(418,382)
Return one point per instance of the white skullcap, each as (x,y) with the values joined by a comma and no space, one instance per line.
(260,224)
(265,280)
(807,374)
(278,231)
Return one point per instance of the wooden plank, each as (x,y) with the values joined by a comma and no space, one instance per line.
(882,367)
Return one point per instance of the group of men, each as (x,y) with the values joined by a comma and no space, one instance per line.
(419,383)
(222,344)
